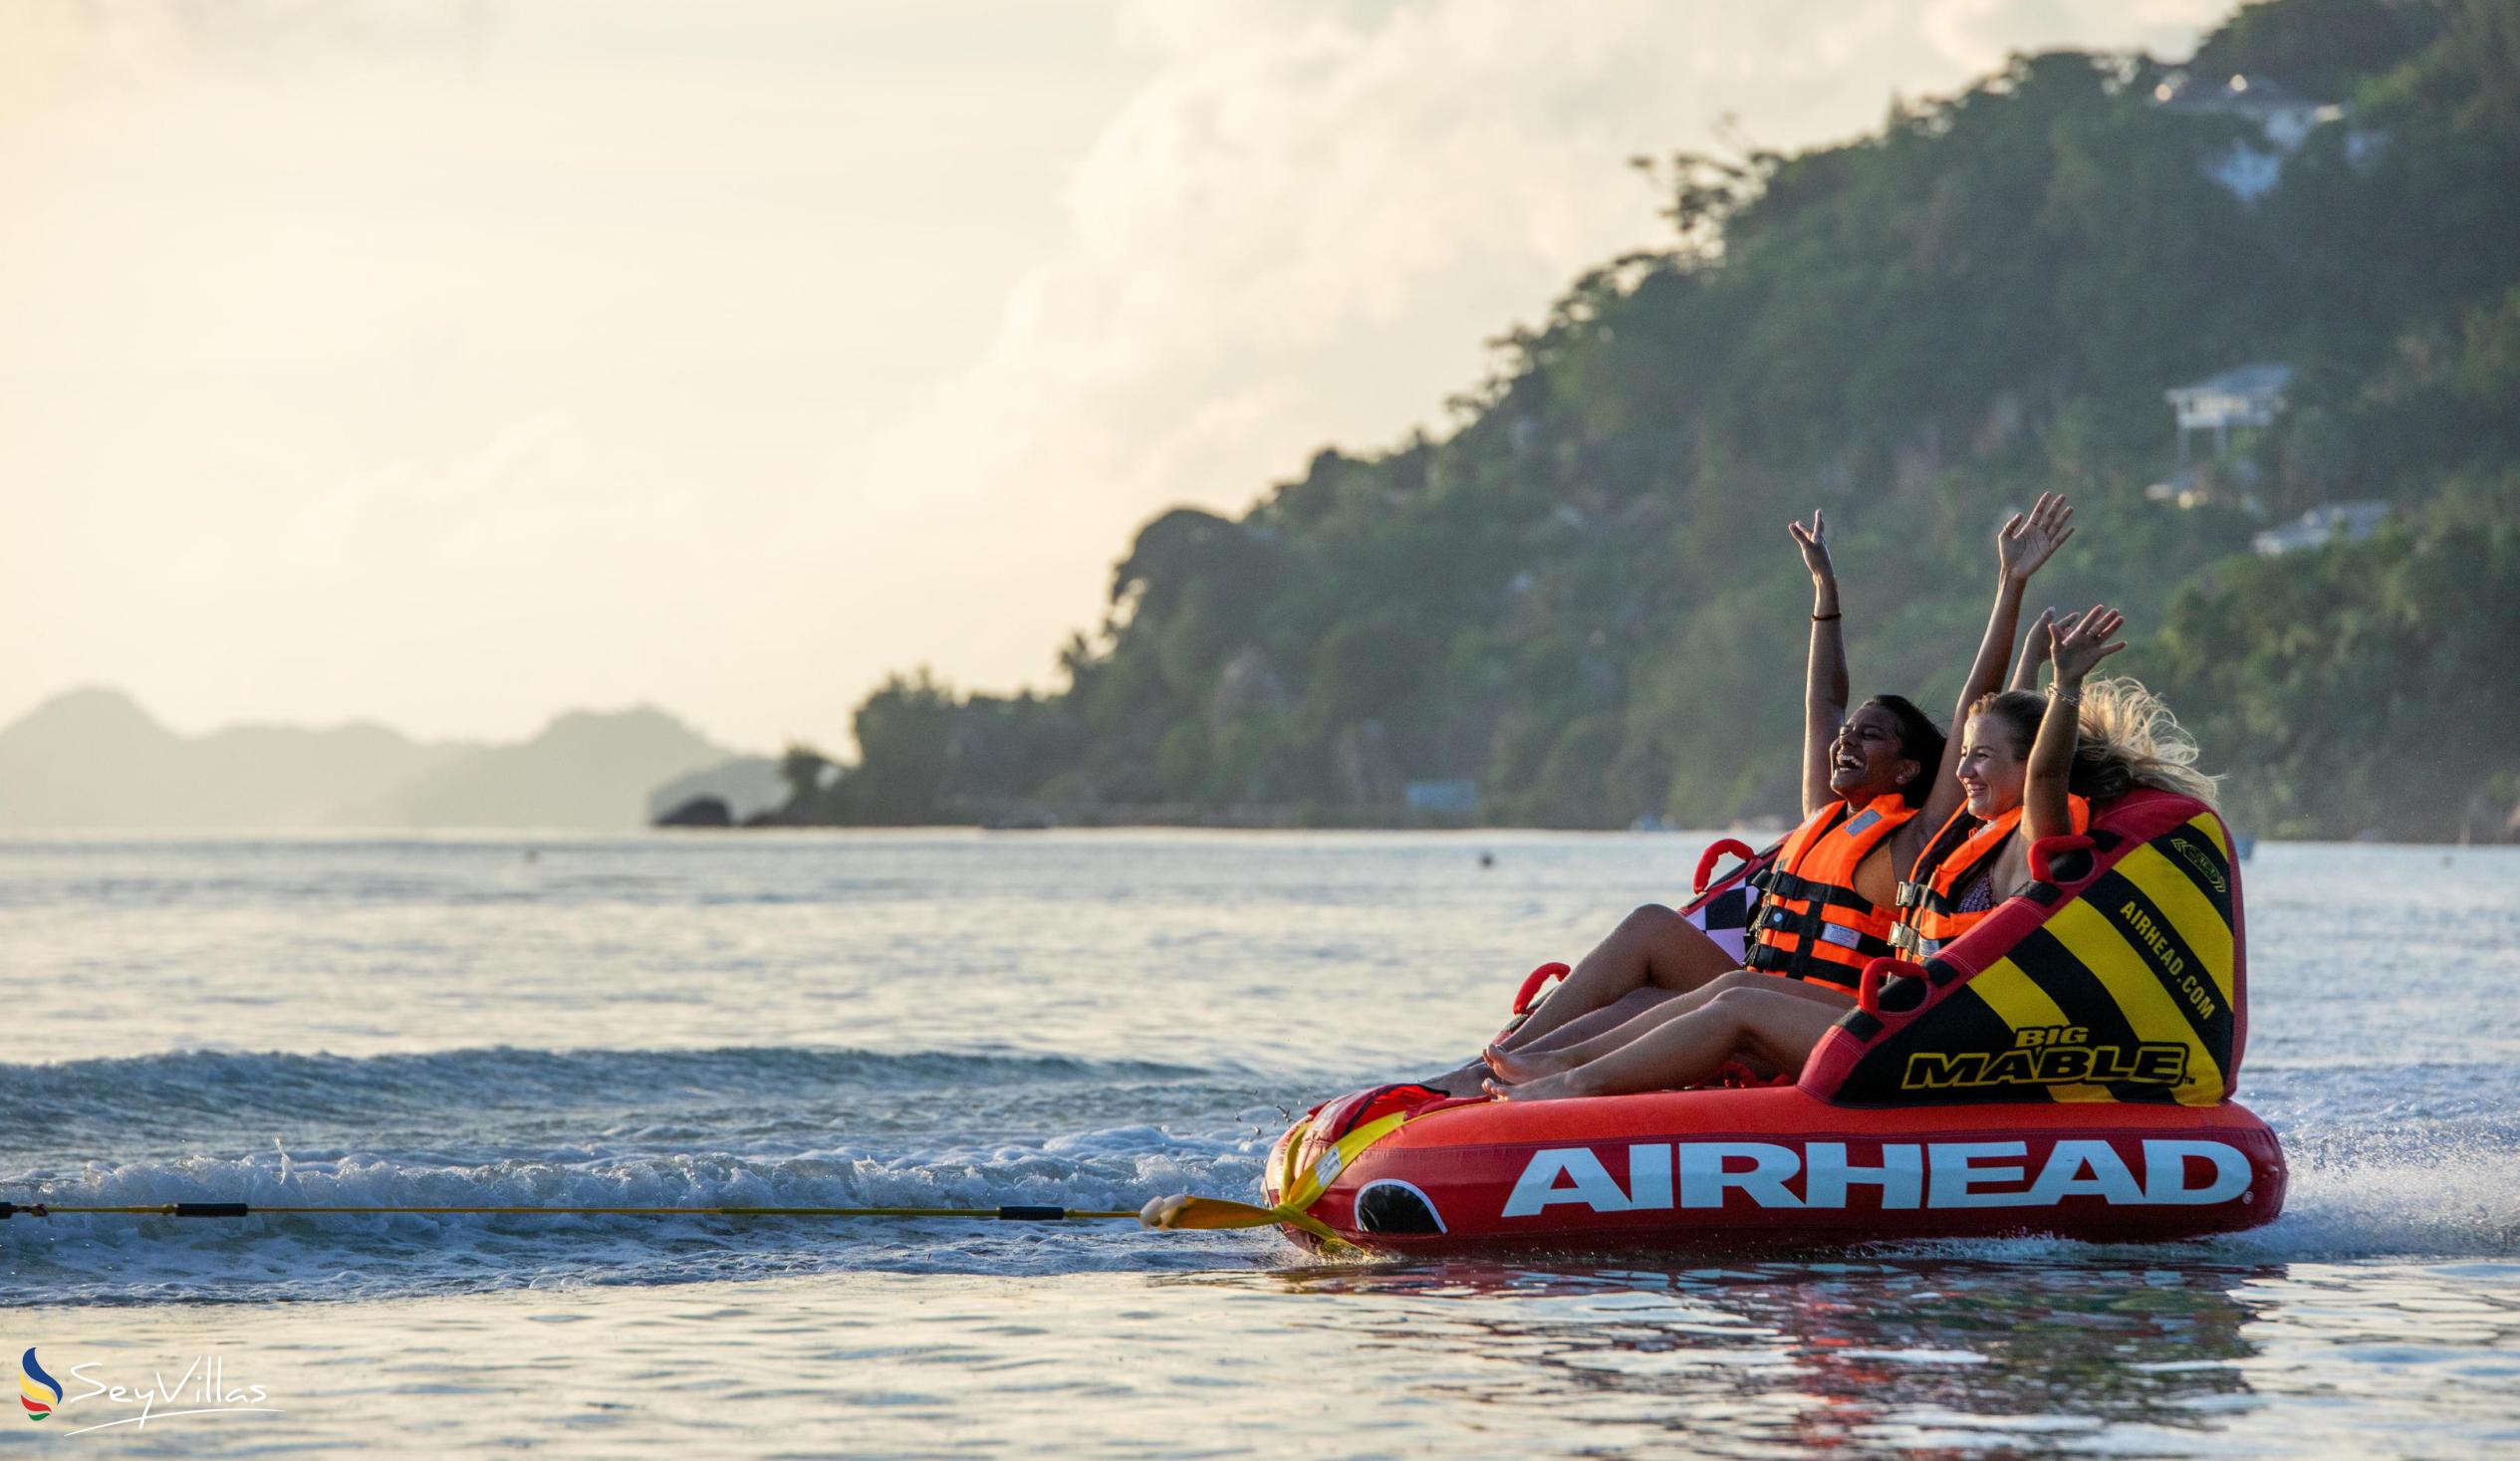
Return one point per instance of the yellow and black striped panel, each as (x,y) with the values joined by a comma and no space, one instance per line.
(2124,993)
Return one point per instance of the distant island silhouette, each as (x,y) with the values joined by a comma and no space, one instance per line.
(93,758)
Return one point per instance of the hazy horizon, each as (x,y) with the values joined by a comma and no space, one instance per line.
(95,759)
(558,715)
(453,365)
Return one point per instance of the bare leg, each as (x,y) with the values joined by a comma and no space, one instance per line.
(1651,948)
(1589,1037)
(1771,1026)
(1601,1020)
(1653,955)
(1464,1080)
(1528,1064)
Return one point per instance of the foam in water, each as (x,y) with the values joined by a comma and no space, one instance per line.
(304,1255)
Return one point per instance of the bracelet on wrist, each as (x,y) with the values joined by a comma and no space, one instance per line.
(2064,696)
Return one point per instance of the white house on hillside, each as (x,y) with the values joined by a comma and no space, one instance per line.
(2351,521)
(2248,395)
(2280,116)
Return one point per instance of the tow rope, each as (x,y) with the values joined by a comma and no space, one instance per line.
(1186,1212)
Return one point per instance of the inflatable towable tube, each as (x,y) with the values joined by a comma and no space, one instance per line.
(2065,1068)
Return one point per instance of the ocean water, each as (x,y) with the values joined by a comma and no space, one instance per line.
(1092,1020)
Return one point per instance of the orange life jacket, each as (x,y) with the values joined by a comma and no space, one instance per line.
(1929,907)
(1813,924)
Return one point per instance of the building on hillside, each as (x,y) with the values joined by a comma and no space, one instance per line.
(2200,484)
(1456,798)
(2349,522)
(2249,396)
(2283,119)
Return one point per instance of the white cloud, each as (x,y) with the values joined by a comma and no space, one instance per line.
(513,492)
(49,48)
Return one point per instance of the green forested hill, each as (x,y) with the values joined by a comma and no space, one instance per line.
(1582,598)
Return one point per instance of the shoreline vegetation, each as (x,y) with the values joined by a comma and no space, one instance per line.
(1579,607)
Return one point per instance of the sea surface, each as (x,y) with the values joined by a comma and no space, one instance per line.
(1092,1020)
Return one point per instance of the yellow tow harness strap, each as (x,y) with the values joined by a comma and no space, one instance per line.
(1300,1192)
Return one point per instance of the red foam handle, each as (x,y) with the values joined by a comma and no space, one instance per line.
(1867,991)
(2044,852)
(1532,983)
(1707,861)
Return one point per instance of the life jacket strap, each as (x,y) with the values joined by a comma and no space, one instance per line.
(1782,884)
(1767,958)
(1811,930)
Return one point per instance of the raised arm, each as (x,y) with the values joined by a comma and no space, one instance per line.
(1825,678)
(2076,644)
(2026,542)
(2034,651)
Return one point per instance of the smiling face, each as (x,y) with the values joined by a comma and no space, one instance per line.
(1993,763)
(1865,760)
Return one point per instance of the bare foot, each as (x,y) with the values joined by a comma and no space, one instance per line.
(1517,1065)
(1462,1080)
(1562,1086)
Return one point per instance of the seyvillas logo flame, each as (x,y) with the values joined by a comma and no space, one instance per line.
(38,1391)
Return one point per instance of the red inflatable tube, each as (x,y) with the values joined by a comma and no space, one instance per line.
(1532,983)
(1777,1166)
(2063,1067)
(1706,862)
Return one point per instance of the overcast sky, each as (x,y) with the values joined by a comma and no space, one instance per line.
(456,363)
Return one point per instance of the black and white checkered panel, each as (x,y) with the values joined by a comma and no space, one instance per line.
(1725,917)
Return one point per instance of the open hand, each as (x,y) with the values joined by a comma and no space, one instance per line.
(2034,647)
(2079,642)
(2034,650)
(2026,542)
(1814,541)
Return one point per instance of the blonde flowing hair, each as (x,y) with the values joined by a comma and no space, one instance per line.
(2128,738)
(2125,737)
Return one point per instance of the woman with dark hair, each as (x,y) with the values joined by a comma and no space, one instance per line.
(1830,902)
(1868,780)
